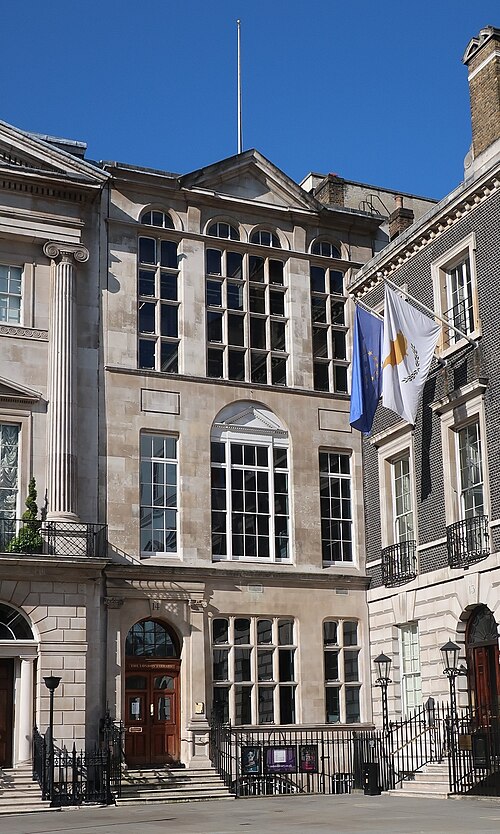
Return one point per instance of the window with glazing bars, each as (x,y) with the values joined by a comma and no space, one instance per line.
(158,493)
(460,299)
(336,509)
(158,305)
(254,670)
(341,650)
(471,471)
(329,328)
(10,294)
(402,501)
(246,317)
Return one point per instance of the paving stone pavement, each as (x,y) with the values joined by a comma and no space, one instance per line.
(355,814)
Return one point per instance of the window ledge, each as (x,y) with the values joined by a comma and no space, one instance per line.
(460,395)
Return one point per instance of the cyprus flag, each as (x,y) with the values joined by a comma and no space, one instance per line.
(410,339)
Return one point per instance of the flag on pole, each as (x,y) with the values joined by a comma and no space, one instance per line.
(410,339)
(366,386)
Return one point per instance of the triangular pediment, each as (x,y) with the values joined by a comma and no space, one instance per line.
(247,417)
(22,152)
(13,392)
(250,176)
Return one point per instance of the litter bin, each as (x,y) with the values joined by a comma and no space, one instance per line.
(370,779)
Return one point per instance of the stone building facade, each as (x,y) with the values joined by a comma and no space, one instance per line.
(432,513)
(174,376)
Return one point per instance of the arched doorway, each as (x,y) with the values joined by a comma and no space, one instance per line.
(18,651)
(481,641)
(152,694)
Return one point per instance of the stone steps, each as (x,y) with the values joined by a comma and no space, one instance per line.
(430,782)
(19,794)
(171,785)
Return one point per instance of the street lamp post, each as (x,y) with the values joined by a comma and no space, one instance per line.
(450,652)
(383,664)
(51,682)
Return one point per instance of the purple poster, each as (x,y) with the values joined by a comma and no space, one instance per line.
(280,759)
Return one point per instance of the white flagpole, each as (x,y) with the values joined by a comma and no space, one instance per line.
(430,312)
(240,130)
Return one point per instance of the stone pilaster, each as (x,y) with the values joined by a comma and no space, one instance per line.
(61,426)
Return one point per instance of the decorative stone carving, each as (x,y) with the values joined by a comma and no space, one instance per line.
(24,332)
(113,602)
(66,251)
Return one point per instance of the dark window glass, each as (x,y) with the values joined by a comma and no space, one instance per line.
(266,705)
(169,320)
(214,262)
(276,272)
(257,332)
(168,254)
(257,299)
(341,379)
(336,282)
(235,330)
(278,371)
(321,376)
(265,665)
(332,705)
(169,362)
(168,286)
(146,354)
(287,704)
(234,265)
(318,308)
(220,631)
(352,711)
(285,632)
(147,250)
(277,303)
(243,704)
(330,633)
(234,296)
(264,631)
(221,703)
(146,317)
(331,666)
(241,630)
(317,279)
(259,367)
(339,348)
(236,363)
(214,327)
(286,665)
(320,342)
(215,363)
(350,629)
(351,672)
(338,312)
(256,268)
(221,665)
(278,335)
(242,665)
(214,294)
(146,282)
(218,453)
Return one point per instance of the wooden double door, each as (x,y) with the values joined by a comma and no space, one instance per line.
(6,711)
(152,712)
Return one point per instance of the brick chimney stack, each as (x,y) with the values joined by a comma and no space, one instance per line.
(482,59)
(400,218)
(331,190)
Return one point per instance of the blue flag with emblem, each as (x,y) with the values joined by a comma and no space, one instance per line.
(366,387)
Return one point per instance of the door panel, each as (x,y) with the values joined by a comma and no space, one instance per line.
(152,714)
(6,711)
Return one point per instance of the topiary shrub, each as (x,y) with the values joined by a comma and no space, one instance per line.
(29,538)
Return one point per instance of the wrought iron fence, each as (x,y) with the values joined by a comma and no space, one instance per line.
(72,777)
(418,740)
(54,538)
(474,751)
(399,563)
(468,541)
(261,762)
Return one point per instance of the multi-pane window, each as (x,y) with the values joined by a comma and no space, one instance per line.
(341,650)
(336,509)
(158,299)
(250,514)
(246,317)
(470,471)
(9,463)
(223,230)
(328,323)
(254,670)
(411,679)
(325,248)
(157,218)
(159,494)
(402,500)
(263,237)
(460,299)
(10,294)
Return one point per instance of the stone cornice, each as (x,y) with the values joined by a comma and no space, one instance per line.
(430,228)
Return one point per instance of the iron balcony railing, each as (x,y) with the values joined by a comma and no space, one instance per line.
(53,538)
(468,541)
(399,563)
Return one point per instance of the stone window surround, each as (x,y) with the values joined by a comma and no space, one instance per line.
(349,453)
(23,420)
(391,445)
(463,407)
(27,287)
(403,676)
(339,647)
(439,271)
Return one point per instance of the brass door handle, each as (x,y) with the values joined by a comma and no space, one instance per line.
(152,709)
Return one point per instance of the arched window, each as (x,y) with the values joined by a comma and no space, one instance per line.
(265,238)
(13,624)
(223,230)
(250,485)
(157,218)
(325,248)
(150,638)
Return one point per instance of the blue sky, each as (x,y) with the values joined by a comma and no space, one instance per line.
(374,91)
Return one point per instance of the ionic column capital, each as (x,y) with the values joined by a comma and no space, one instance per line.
(66,251)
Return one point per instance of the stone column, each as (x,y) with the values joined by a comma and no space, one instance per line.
(61,428)
(25,709)
(198,724)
